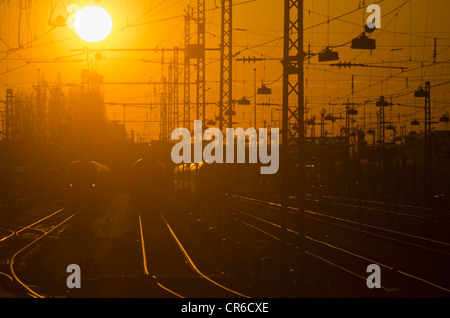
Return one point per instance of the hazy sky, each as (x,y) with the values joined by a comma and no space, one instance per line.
(406,39)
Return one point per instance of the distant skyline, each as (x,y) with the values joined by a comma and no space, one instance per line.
(28,43)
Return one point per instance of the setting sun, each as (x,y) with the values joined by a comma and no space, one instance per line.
(93,23)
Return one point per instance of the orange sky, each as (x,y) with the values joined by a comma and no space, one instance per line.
(409,27)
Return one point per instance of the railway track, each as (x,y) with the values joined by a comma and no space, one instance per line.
(168,262)
(18,201)
(350,247)
(340,245)
(18,240)
(426,222)
(168,268)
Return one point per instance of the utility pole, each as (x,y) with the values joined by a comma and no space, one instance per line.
(293,123)
(226,67)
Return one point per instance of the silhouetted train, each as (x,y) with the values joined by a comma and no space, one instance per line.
(200,183)
(205,184)
(149,183)
(89,182)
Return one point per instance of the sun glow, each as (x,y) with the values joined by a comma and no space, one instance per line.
(93,23)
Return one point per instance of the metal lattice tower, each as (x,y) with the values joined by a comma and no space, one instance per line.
(176,108)
(427,169)
(9,114)
(428,146)
(293,78)
(226,68)
(170,104)
(187,72)
(164,133)
(201,67)
(293,125)
(382,125)
(382,103)
(322,123)
(347,121)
